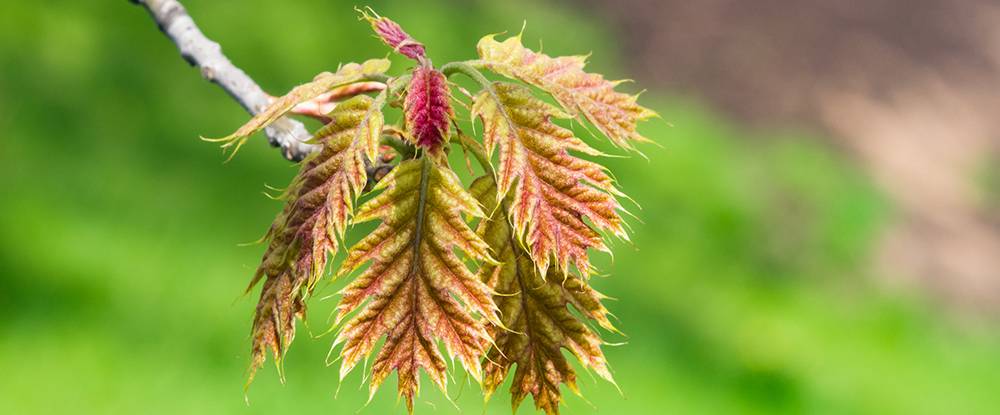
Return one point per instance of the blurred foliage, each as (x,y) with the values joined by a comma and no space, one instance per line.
(745,290)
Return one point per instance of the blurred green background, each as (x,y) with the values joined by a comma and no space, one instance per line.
(747,289)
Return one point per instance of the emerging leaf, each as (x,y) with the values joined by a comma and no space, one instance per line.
(393,35)
(614,113)
(536,314)
(320,202)
(410,293)
(280,304)
(548,208)
(323,82)
(554,190)
(427,107)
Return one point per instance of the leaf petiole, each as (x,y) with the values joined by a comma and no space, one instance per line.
(466,69)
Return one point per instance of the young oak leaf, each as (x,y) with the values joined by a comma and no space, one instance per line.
(428,109)
(554,191)
(347,74)
(536,314)
(319,204)
(280,304)
(416,290)
(615,114)
(393,35)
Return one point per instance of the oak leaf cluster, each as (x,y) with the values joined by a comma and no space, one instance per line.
(497,270)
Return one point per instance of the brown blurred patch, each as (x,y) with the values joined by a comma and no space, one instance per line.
(908,87)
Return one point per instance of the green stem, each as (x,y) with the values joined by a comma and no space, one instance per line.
(405,150)
(397,84)
(477,151)
(379,77)
(478,64)
(468,143)
(464,68)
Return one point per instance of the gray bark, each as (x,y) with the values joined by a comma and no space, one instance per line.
(206,55)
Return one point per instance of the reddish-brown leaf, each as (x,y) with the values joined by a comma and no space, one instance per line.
(416,291)
(553,190)
(347,74)
(579,92)
(319,204)
(536,315)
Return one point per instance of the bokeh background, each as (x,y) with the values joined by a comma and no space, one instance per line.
(820,231)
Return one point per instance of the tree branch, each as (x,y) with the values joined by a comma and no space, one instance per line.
(206,55)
